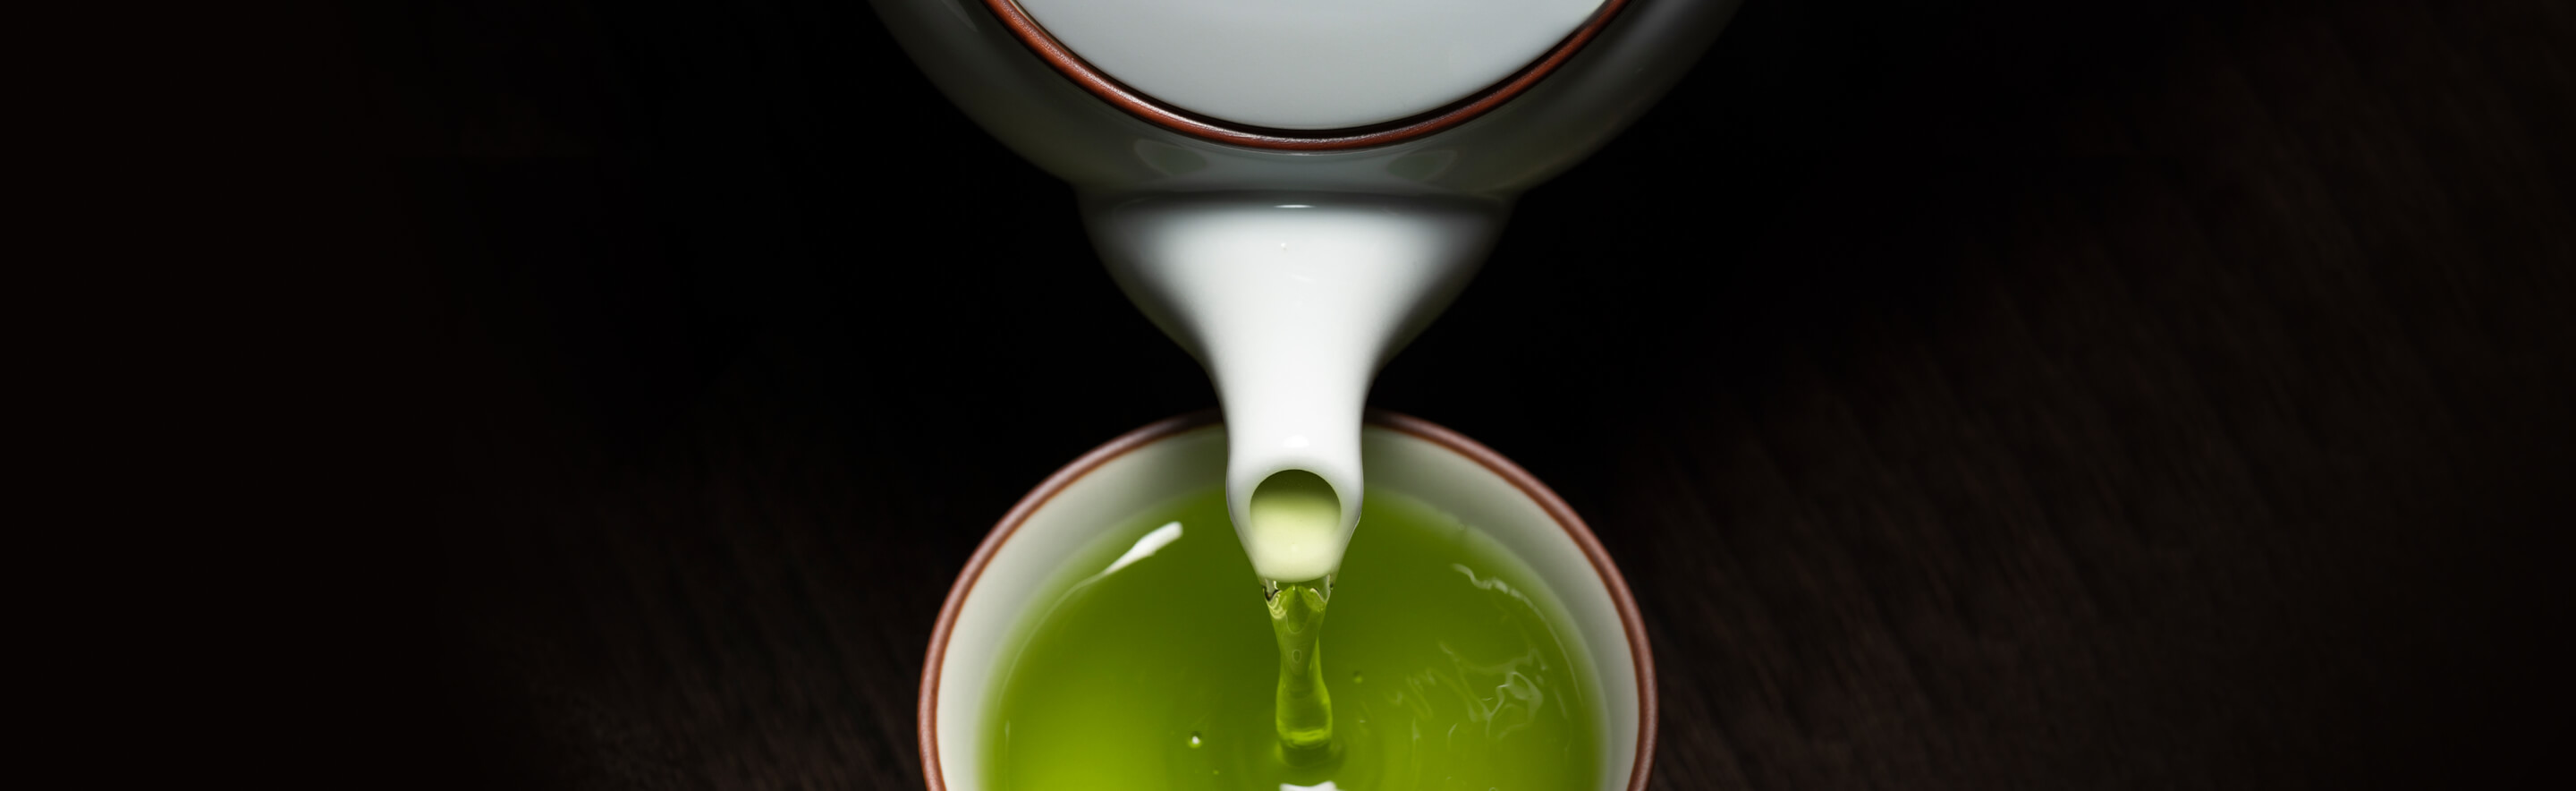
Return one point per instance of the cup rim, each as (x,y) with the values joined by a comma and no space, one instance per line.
(1631,622)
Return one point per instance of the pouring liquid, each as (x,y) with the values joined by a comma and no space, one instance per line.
(1293,301)
(1304,708)
(1294,513)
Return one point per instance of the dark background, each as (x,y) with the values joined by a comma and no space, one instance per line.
(2002,394)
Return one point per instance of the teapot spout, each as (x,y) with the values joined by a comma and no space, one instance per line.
(1292,302)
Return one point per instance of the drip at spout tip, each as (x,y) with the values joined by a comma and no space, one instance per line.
(1292,302)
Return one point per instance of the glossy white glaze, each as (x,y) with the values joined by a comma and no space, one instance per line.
(1101,149)
(1117,160)
(1292,302)
(1014,579)
(1309,64)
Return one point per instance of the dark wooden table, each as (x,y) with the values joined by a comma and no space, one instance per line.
(1997,394)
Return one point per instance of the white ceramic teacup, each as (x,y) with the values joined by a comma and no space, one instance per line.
(1155,464)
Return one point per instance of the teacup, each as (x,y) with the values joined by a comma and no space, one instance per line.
(1005,579)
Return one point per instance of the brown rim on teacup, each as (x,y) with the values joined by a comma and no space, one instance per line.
(1629,620)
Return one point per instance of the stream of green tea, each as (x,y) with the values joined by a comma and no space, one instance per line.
(1297,511)
(1150,667)
(1302,711)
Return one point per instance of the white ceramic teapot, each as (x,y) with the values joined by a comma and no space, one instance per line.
(1293,188)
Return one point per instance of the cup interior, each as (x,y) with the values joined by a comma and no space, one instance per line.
(1153,465)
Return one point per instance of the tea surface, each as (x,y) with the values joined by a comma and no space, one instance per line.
(1156,666)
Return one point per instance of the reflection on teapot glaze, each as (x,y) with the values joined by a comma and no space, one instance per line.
(964,16)
(1168,159)
(1422,165)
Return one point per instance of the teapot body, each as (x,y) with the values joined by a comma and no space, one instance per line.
(1292,263)
(1103,150)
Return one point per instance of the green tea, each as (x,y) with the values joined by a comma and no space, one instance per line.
(1303,710)
(1156,666)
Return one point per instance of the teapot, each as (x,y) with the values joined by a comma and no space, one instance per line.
(1292,189)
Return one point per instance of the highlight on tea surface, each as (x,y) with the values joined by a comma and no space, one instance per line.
(1151,667)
